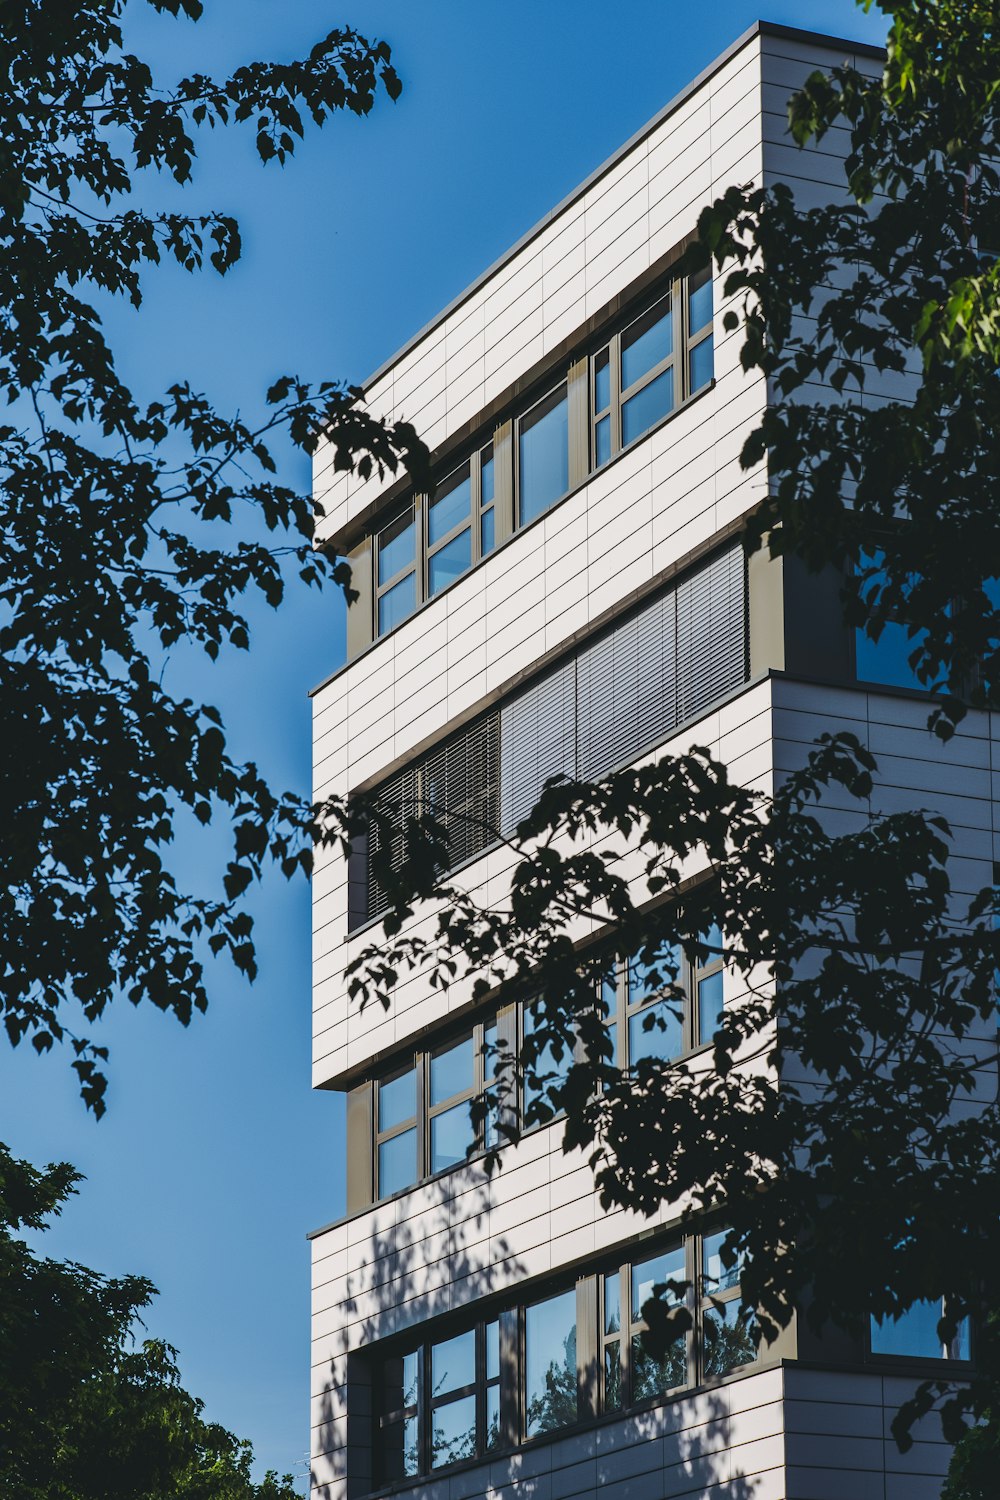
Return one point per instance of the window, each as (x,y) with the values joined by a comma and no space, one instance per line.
(423,1114)
(664,1007)
(461,524)
(886,660)
(549,1070)
(636,378)
(550,1373)
(914,1334)
(701,358)
(543,455)
(729,1336)
(526,1369)
(396,571)
(630,1375)
(658,358)
(438,1404)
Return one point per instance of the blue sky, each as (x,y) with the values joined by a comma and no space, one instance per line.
(214,1158)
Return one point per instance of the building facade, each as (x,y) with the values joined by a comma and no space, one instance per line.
(575,597)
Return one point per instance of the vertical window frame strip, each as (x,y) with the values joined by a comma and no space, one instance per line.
(415,567)
(430,549)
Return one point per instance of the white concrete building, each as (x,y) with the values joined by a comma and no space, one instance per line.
(576,597)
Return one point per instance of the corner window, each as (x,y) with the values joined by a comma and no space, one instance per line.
(543,455)
(438,1404)
(914,1334)
(887,660)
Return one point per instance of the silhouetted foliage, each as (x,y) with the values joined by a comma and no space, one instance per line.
(89,1410)
(127,526)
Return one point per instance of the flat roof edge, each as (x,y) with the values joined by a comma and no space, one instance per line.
(759,28)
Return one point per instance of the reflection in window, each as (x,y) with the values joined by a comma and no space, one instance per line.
(396,1138)
(400,1426)
(914,1334)
(701,359)
(453,1399)
(887,660)
(654,1025)
(652,1375)
(550,1378)
(543,454)
(729,1332)
(708,982)
(452,1088)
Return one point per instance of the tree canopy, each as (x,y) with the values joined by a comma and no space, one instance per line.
(128,525)
(846,1116)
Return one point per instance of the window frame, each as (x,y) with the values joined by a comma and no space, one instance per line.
(692,973)
(472,522)
(948,1358)
(381,590)
(420,1061)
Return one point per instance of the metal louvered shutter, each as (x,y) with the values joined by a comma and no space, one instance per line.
(396,802)
(458,785)
(627,689)
(711,632)
(537,740)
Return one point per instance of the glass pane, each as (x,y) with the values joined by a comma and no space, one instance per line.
(616,1056)
(609,995)
(543,455)
(887,659)
(487,532)
(655,1031)
(546,1068)
(651,403)
(602,382)
(451,1137)
(602,441)
(454,1432)
(709,1005)
(399,1382)
(453,1070)
(613,1303)
(729,1336)
(961,1347)
(493,1350)
(712,939)
(396,605)
(651,1375)
(701,365)
(648,340)
(913,1333)
(699,301)
(489,1049)
(486,477)
(397,1163)
(613,1376)
(648,978)
(492,1417)
(397,1099)
(718,1278)
(668,1266)
(400,1449)
(397,546)
(550,1364)
(453,1363)
(454,559)
(450,505)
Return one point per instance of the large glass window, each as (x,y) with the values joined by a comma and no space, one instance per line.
(652,1375)
(886,660)
(647,370)
(550,1375)
(449,530)
(543,455)
(547,1070)
(397,1149)
(452,1089)
(914,1334)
